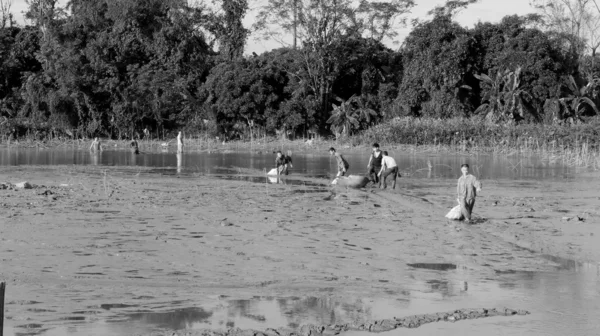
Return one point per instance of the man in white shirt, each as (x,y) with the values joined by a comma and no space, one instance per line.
(388,167)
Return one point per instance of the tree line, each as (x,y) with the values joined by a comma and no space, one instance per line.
(112,68)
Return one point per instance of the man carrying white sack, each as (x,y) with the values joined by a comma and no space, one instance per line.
(388,167)
(467,188)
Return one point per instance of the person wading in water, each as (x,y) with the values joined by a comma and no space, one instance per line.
(180,143)
(96,146)
(467,189)
(374,165)
(135,149)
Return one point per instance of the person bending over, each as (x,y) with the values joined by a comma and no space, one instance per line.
(342,164)
(388,167)
(283,163)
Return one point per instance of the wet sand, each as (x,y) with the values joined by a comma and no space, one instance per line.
(88,238)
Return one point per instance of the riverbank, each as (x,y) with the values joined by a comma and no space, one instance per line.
(85,238)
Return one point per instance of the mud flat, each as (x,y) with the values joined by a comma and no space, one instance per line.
(87,245)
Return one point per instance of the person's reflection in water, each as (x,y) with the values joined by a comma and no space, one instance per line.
(179,162)
(276,180)
(95,158)
(134,156)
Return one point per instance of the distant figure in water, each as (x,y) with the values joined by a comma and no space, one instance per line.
(96,146)
(283,163)
(180,143)
(343,165)
(467,189)
(388,167)
(135,149)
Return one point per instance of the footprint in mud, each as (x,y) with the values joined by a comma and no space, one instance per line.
(73,318)
(109,306)
(434,266)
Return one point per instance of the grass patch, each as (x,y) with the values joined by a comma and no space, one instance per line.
(573,145)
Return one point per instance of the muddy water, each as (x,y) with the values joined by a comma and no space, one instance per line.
(321,165)
(563,302)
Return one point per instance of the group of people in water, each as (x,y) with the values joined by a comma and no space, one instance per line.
(96,145)
(381,166)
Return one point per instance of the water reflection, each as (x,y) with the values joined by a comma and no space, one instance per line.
(564,302)
(95,158)
(317,165)
(177,320)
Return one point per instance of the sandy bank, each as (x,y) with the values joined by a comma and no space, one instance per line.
(87,236)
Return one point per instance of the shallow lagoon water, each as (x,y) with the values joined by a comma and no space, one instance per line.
(319,165)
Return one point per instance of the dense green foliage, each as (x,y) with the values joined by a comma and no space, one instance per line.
(114,68)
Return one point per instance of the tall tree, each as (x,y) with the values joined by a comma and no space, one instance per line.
(321,25)
(230,30)
(451,7)
(6,16)
(279,19)
(577,20)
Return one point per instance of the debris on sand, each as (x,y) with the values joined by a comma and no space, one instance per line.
(374,327)
(20,185)
(23,185)
(225,222)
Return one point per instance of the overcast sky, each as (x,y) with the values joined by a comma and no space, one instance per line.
(485,10)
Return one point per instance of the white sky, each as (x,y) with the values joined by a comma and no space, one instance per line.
(485,10)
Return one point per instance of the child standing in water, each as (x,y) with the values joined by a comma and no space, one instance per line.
(342,164)
(96,146)
(467,189)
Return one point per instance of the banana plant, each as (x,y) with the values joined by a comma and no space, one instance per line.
(579,98)
(342,119)
(350,115)
(505,99)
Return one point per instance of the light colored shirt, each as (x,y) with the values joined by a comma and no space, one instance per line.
(388,162)
(467,187)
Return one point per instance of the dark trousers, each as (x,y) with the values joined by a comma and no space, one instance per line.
(466,207)
(374,173)
(390,171)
